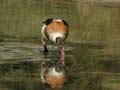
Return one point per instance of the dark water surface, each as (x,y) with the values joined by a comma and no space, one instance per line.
(88,65)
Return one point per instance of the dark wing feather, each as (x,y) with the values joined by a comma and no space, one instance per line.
(65,23)
(48,21)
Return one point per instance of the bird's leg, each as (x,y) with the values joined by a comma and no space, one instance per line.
(45,46)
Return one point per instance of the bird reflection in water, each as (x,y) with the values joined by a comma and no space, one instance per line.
(53,73)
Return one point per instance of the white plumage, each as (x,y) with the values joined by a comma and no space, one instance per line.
(54,35)
(43,30)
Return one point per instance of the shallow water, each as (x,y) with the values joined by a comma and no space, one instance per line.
(88,66)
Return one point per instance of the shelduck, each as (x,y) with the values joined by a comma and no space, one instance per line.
(55,30)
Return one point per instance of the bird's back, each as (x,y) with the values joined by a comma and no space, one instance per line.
(56,28)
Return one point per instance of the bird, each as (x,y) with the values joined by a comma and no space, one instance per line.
(53,75)
(55,30)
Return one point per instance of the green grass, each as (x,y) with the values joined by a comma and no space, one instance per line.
(95,22)
(23,19)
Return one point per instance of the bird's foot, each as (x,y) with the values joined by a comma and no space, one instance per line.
(46,52)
